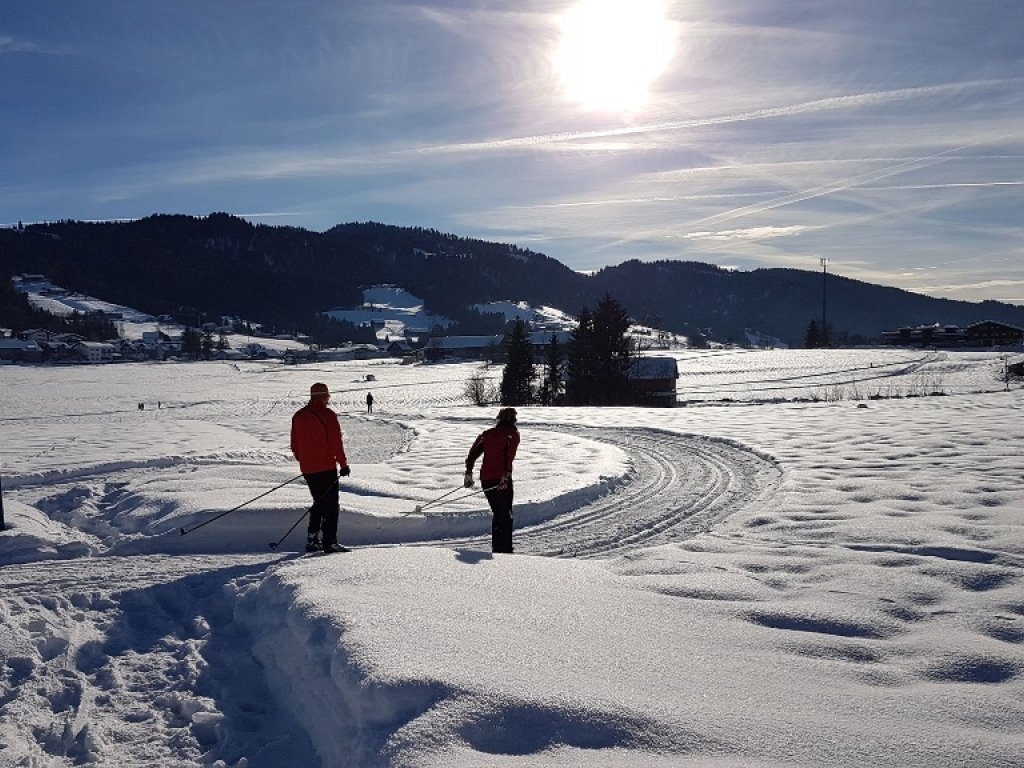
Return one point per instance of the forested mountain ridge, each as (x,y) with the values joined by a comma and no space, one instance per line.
(284,276)
(781,302)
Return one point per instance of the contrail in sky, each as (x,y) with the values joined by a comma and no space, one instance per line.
(911,164)
(817,105)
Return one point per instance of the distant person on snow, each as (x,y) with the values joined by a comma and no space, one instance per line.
(498,447)
(317,444)
(369,402)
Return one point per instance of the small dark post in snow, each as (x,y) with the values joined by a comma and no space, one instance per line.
(3,523)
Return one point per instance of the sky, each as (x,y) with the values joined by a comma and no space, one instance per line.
(776,583)
(883,137)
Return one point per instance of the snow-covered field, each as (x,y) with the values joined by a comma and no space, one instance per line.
(801,575)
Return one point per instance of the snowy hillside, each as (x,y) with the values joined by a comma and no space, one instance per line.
(56,300)
(799,584)
(394,309)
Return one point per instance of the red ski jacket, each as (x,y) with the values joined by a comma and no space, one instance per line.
(498,445)
(316,439)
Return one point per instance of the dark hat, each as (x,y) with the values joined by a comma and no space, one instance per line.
(507,414)
(318,390)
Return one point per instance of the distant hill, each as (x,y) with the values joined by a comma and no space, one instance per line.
(284,276)
(689,296)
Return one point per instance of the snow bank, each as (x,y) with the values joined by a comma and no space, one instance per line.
(675,656)
(30,535)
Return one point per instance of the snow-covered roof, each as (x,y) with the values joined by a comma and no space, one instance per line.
(18,344)
(99,345)
(995,323)
(654,368)
(465,342)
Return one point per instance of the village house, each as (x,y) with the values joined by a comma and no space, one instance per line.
(541,340)
(20,351)
(42,334)
(925,336)
(464,348)
(352,352)
(134,349)
(400,349)
(992,334)
(95,351)
(987,333)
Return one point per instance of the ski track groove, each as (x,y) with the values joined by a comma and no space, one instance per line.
(682,485)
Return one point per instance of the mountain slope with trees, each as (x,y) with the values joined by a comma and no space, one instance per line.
(695,298)
(283,277)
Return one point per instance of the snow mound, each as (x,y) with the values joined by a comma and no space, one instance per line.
(434,678)
(31,535)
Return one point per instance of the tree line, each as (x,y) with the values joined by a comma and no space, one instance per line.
(592,369)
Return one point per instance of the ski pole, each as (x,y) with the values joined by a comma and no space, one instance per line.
(233,509)
(334,487)
(432,502)
(276,544)
(459,498)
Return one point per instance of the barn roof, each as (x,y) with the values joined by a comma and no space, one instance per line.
(654,368)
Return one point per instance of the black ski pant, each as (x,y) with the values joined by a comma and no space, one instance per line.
(500,500)
(323,515)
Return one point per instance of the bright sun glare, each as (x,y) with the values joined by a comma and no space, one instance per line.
(612,50)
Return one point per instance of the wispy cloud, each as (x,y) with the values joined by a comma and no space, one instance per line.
(752,233)
(9,44)
(847,102)
(840,185)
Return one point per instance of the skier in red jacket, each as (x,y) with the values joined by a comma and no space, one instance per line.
(317,444)
(498,446)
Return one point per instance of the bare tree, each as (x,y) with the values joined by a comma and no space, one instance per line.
(481,390)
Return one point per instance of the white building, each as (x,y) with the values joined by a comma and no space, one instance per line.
(95,351)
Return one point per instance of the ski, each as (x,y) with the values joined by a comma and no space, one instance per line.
(317,552)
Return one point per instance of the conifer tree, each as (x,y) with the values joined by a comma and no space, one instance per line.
(518,377)
(551,381)
(191,343)
(581,366)
(612,352)
(812,340)
(207,345)
(599,356)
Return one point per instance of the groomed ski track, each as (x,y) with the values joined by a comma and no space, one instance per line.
(680,486)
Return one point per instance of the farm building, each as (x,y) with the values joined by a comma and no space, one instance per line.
(987,333)
(653,380)
(18,350)
(992,334)
(465,348)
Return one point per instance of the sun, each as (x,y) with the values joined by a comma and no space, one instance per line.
(611,51)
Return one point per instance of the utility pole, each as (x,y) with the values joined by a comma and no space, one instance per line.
(824,326)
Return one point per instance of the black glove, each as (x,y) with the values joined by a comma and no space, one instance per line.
(345,471)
